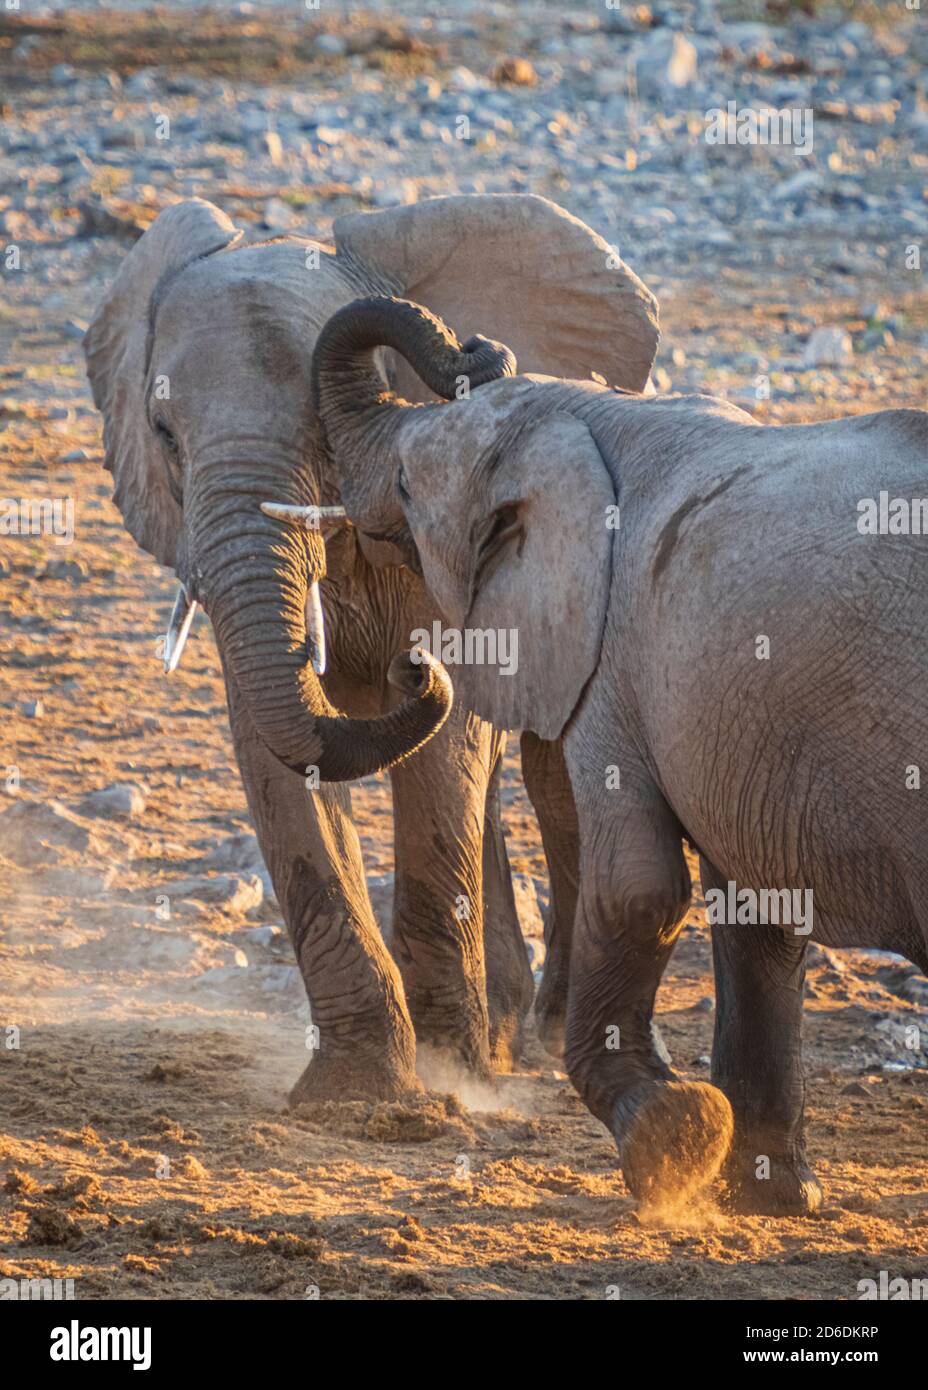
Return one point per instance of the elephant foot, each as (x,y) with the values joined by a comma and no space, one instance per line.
(759,1183)
(451,1040)
(552,1027)
(507,1040)
(354,1077)
(672,1138)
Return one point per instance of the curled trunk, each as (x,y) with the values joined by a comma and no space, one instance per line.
(253,579)
(358,414)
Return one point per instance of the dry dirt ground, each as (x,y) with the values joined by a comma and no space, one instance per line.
(146,1147)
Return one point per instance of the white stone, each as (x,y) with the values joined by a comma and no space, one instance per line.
(828,347)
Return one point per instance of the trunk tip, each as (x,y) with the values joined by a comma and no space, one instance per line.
(419,674)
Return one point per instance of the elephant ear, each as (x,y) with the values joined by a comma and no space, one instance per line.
(115,345)
(543,601)
(516,268)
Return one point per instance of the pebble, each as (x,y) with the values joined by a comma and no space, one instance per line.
(72,571)
(233,893)
(828,347)
(119,801)
(332,45)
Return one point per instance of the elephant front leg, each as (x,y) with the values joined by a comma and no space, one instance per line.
(757,1061)
(672,1136)
(362,1040)
(510,985)
(548,786)
(439,799)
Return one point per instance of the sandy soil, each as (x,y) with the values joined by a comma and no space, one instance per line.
(146,1149)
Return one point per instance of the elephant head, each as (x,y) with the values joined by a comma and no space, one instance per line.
(204,389)
(505,495)
(200,357)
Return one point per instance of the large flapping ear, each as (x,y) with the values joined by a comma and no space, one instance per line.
(114,347)
(517,268)
(536,604)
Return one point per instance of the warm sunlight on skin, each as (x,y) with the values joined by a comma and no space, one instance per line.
(161,1139)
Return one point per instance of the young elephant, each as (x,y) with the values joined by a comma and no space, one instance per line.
(734,664)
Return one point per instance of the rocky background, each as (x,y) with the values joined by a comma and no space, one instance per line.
(149,1006)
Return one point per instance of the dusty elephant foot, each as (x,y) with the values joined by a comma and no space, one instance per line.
(672,1137)
(353,1077)
(507,1039)
(451,1039)
(790,1188)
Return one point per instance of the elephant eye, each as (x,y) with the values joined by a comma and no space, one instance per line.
(166,437)
(504,526)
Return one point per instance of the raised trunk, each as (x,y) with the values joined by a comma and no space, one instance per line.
(252,577)
(359,415)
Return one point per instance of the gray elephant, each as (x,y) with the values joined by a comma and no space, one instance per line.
(200,359)
(725,655)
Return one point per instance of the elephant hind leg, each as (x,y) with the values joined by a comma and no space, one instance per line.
(757,1062)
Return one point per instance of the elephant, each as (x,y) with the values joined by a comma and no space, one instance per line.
(199,358)
(725,657)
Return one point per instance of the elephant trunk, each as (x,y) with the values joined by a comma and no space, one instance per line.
(254,579)
(358,414)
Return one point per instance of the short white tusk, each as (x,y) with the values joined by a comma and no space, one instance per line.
(311,518)
(175,638)
(315,629)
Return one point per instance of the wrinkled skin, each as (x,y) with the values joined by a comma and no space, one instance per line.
(200,362)
(638,660)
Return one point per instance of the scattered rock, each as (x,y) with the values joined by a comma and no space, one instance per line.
(72,571)
(330,45)
(235,893)
(665,63)
(35,832)
(518,72)
(120,801)
(275,149)
(828,347)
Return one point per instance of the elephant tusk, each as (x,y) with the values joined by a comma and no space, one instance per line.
(182,616)
(310,518)
(315,629)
